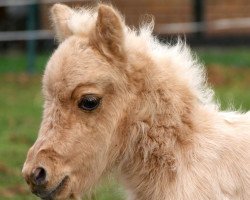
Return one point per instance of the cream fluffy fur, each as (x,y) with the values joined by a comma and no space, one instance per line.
(157,125)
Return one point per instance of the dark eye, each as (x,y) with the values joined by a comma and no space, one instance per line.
(89,102)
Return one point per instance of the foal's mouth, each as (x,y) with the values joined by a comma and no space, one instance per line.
(51,194)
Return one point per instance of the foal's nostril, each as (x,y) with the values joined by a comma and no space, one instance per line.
(39,176)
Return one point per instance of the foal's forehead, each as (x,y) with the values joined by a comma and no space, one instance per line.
(75,63)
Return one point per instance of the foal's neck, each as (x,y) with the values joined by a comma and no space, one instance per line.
(161,131)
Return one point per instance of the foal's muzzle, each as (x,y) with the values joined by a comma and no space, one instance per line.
(43,174)
(36,178)
(38,181)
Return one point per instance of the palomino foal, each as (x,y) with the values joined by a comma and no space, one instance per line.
(116,99)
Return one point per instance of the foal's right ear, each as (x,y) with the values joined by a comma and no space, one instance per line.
(60,15)
(108,34)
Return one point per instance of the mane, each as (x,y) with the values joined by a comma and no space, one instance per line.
(186,63)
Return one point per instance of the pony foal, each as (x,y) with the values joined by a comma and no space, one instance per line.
(117,100)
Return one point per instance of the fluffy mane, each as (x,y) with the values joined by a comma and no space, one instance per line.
(179,55)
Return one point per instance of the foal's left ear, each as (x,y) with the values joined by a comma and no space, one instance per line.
(108,34)
(60,15)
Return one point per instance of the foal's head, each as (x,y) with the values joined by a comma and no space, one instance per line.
(86,99)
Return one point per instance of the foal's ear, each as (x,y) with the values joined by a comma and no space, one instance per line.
(60,15)
(108,33)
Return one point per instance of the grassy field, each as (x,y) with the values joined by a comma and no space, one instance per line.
(21,109)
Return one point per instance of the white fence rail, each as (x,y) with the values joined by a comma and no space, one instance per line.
(6,3)
(192,27)
(25,35)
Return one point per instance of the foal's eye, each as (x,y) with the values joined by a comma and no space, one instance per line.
(89,102)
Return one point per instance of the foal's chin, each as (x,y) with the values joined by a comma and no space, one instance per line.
(60,191)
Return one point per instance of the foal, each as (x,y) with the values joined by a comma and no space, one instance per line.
(118,100)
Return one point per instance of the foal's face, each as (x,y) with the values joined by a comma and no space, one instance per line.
(85,99)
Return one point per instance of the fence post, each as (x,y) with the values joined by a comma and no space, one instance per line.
(31,44)
(198,9)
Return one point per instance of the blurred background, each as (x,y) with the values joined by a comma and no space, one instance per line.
(217,30)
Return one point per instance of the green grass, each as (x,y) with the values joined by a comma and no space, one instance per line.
(233,98)
(18,63)
(21,110)
(20,105)
(238,57)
